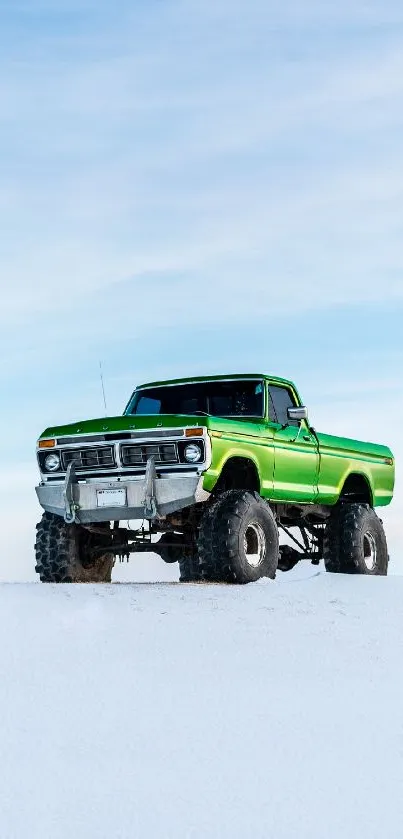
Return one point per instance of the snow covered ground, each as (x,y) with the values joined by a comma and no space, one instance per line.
(135,710)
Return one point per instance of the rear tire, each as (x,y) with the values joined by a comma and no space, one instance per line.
(355,542)
(238,539)
(62,553)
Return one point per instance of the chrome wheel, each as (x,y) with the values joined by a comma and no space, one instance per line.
(370,551)
(254,545)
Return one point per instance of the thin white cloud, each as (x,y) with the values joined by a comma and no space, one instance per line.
(101,222)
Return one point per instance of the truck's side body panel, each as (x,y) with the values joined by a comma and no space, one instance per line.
(293,468)
(296,463)
(341,457)
(240,439)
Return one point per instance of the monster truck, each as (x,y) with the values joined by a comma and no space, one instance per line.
(213,470)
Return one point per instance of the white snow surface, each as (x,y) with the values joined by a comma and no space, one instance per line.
(165,710)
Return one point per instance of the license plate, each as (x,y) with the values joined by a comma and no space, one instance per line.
(111,498)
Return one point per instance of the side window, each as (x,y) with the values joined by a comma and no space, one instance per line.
(281,399)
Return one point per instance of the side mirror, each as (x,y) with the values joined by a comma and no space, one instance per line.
(297,414)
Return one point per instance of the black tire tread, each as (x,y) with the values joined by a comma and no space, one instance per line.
(343,540)
(57,555)
(218,534)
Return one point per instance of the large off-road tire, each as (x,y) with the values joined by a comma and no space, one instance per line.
(62,553)
(190,570)
(175,547)
(238,539)
(193,568)
(355,541)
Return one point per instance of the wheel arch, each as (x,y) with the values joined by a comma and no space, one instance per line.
(357,487)
(239,471)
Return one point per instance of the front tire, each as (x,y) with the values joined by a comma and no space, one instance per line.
(190,570)
(355,542)
(62,553)
(176,547)
(238,539)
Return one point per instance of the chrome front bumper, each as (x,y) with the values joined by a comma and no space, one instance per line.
(147,497)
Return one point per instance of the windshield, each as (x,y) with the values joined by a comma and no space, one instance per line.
(241,398)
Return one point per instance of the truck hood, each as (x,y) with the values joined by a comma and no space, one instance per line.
(121,424)
(125,423)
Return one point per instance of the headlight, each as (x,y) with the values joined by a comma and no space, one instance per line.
(52,462)
(193,453)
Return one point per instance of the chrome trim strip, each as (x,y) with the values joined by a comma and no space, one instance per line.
(123,478)
(118,459)
(109,437)
(141,436)
(126,472)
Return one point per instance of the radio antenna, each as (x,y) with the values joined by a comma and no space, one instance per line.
(103,387)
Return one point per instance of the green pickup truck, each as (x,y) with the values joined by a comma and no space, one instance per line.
(223,474)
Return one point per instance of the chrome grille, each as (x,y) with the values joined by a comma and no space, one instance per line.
(101,457)
(138,455)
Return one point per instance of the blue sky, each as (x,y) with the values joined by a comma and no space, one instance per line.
(190,187)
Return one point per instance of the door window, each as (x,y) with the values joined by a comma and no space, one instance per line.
(280,399)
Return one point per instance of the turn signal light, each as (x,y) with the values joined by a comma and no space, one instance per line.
(46,444)
(194,432)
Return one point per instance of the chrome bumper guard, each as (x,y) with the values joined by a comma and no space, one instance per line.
(149,497)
